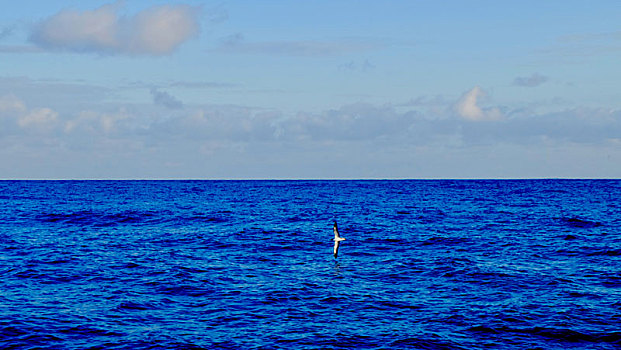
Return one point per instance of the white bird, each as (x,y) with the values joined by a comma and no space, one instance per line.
(337,240)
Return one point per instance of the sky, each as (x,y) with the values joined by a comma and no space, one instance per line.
(324,89)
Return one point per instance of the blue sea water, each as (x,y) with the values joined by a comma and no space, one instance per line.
(525,264)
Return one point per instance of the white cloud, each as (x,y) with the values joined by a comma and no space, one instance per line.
(10,103)
(92,124)
(118,123)
(109,121)
(15,111)
(156,31)
(161,29)
(39,118)
(467,107)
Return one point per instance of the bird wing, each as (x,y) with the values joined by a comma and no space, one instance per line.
(336,248)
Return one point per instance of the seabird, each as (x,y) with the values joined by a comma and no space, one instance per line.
(337,240)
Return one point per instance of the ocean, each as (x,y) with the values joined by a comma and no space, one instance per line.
(426,264)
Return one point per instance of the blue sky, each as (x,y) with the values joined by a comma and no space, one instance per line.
(314,89)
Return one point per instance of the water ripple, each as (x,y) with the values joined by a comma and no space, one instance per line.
(444,264)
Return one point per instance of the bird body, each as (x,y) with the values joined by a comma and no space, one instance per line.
(337,240)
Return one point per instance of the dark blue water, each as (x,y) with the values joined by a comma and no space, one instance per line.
(249,265)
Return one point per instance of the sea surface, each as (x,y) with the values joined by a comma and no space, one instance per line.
(438,264)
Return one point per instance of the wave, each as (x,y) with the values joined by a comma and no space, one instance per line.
(91,218)
(560,334)
(17,334)
(423,215)
(128,217)
(183,290)
(605,252)
(201,217)
(391,306)
(137,306)
(417,343)
(575,222)
(445,241)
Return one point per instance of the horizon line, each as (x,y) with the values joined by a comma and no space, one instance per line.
(316,179)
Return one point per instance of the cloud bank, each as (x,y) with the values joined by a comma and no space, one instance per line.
(158,30)
(167,119)
(226,141)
